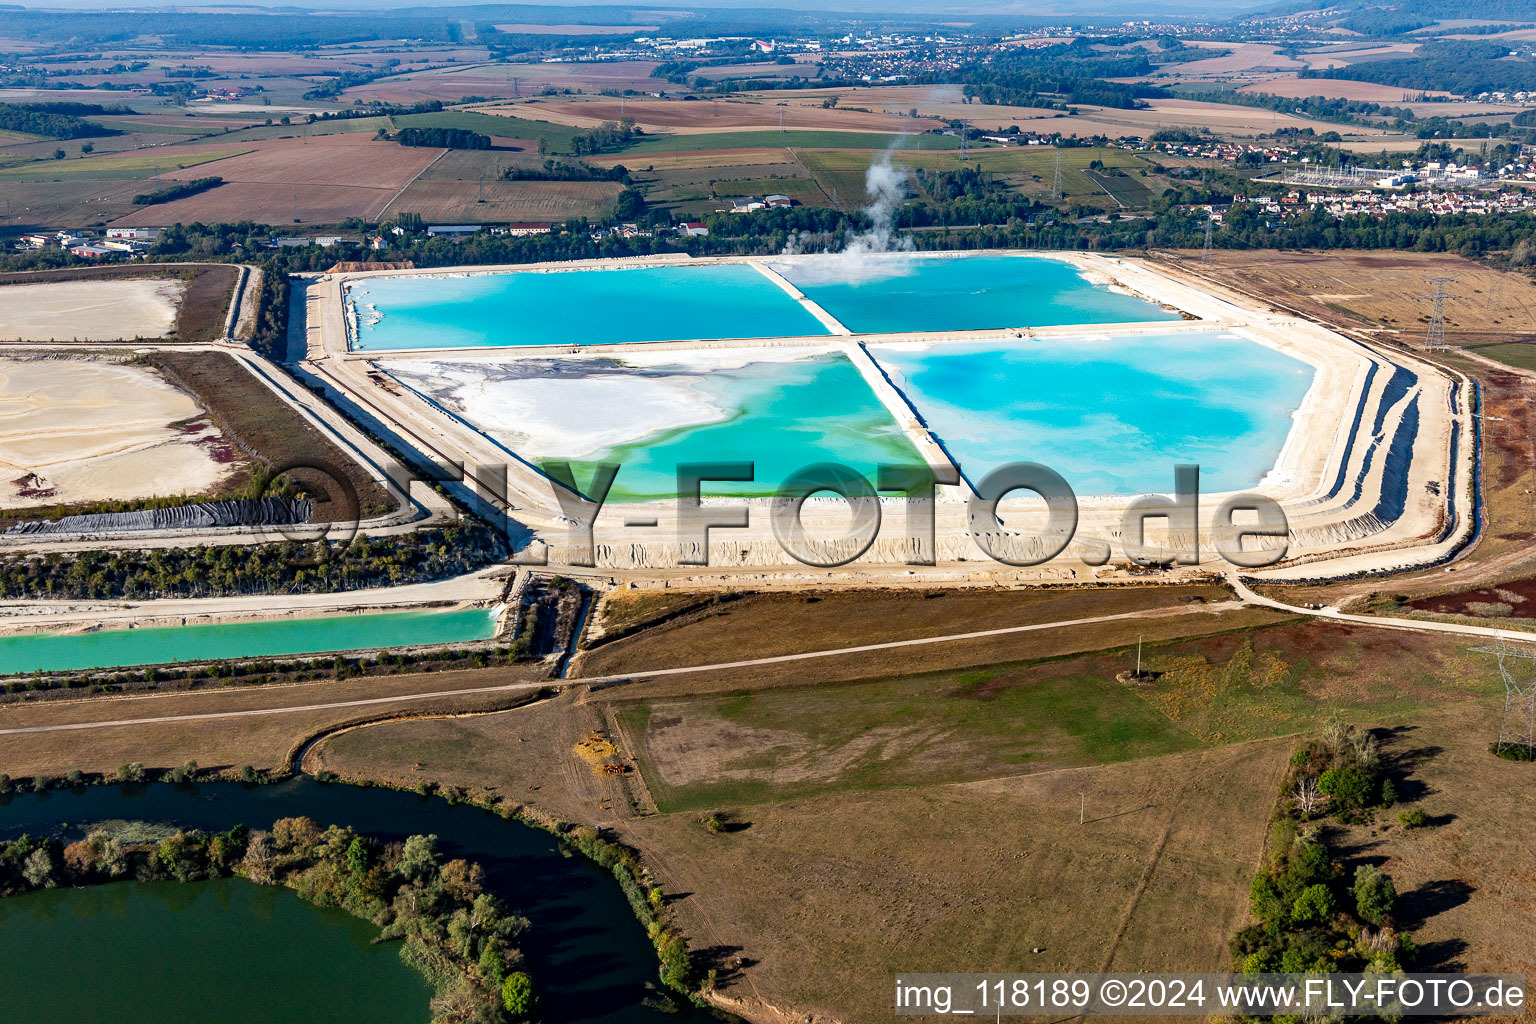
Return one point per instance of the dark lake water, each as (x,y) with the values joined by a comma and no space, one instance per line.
(588,955)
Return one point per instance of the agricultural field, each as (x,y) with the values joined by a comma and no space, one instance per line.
(1340,88)
(493,201)
(1029,170)
(944,102)
(660,144)
(731,114)
(1226,120)
(521,120)
(312,181)
(506,81)
(115,167)
(1244,59)
(77,201)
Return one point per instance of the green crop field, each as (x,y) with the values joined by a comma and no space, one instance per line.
(802,190)
(757,746)
(1030,170)
(105,167)
(792,139)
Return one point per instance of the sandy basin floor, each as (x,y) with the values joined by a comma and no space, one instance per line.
(74,430)
(88,310)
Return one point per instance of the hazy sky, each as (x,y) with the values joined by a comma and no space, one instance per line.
(1037,8)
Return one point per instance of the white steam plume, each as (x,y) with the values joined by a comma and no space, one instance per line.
(886,186)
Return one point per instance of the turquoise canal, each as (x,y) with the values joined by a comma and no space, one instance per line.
(575,307)
(226,950)
(588,955)
(889,293)
(113,648)
(1112,415)
(780,416)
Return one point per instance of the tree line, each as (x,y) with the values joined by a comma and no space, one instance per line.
(35,119)
(178,190)
(281,568)
(443,138)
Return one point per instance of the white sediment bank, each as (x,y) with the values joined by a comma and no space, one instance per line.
(79,429)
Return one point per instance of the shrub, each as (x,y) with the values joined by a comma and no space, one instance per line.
(517,994)
(1351,786)
(131,772)
(1314,904)
(1413,819)
(1375,895)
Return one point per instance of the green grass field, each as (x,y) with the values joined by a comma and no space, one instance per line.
(1127,189)
(803,190)
(792,139)
(193,126)
(1521,355)
(1030,170)
(755,747)
(760,745)
(556,137)
(106,167)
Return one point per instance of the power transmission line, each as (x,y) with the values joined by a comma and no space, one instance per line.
(1434,336)
(1517,664)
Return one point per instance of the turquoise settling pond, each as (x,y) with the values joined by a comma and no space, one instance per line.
(1112,415)
(781,416)
(113,648)
(888,293)
(227,951)
(576,307)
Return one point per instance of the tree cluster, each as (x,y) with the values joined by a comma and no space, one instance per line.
(443,138)
(1311,913)
(607,136)
(178,190)
(1464,66)
(453,931)
(567,170)
(32,120)
(286,568)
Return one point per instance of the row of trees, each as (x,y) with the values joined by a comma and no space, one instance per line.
(567,170)
(443,138)
(459,936)
(286,568)
(178,190)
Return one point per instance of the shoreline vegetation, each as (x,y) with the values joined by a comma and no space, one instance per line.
(454,933)
(677,971)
